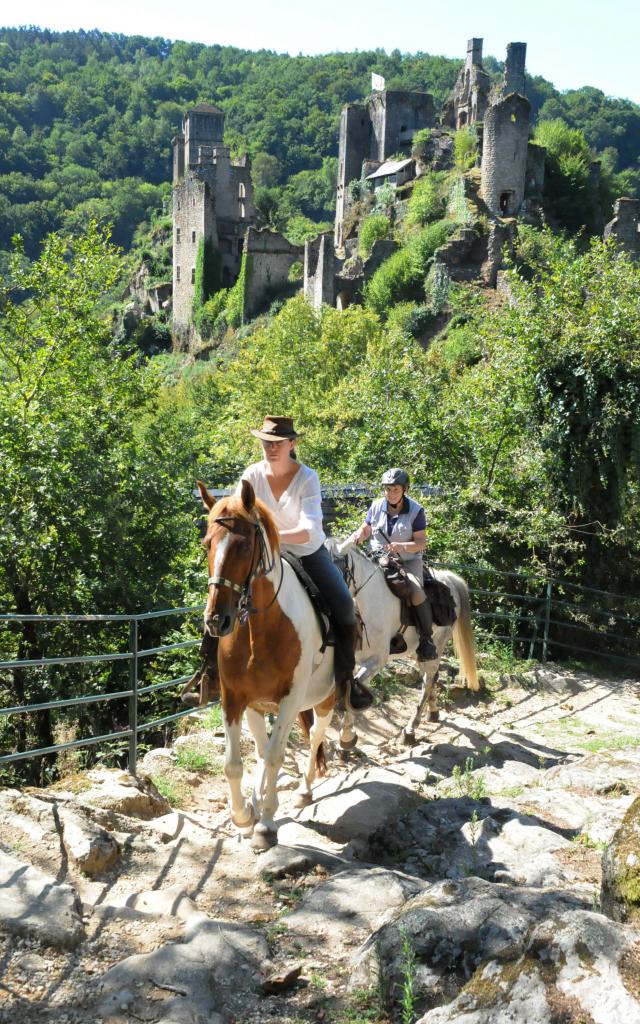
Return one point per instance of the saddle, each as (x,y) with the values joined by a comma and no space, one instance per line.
(443,605)
(318,602)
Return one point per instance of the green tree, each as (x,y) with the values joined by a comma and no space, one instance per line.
(91,515)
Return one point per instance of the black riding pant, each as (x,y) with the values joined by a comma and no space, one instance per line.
(329,581)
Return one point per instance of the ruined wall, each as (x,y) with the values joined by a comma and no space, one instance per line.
(504,155)
(514,79)
(395,118)
(353,147)
(624,227)
(470,96)
(193,219)
(319,271)
(270,259)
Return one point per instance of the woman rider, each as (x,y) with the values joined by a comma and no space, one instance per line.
(397,523)
(291,492)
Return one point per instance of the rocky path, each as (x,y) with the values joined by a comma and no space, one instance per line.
(456,881)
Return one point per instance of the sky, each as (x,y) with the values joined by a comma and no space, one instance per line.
(570,42)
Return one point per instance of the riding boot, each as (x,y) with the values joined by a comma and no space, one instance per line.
(206,678)
(350,691)
(423,620)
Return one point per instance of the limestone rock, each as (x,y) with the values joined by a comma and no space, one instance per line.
(118,791)
(620,895)
(352,902)
(34,904)
(91,848)
(497,953)
(344,813)
(204,978)
(299,849)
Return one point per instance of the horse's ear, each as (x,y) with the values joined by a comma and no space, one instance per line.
(248,495)
(207,500)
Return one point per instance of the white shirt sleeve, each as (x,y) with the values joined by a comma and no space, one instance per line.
(311,509)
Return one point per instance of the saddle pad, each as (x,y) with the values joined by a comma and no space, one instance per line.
(443,605)
(318,602)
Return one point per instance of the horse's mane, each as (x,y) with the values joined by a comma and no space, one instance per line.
(231,505)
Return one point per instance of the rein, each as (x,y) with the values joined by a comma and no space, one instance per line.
(261,568)
(350,577)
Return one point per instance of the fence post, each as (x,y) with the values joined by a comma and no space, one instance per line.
(133,699)
(547,616)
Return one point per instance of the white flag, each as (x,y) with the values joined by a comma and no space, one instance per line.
(377,82)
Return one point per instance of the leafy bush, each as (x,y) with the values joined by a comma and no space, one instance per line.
(409,320)
(296,271)
(457,206)
(423,245)
(465,147)
(426,202)
(375,227)
(421,140)
(397,279)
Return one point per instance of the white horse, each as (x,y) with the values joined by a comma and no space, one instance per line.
(380,612)
(269,656)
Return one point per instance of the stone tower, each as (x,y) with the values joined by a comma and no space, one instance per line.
(212,201)
(504,155)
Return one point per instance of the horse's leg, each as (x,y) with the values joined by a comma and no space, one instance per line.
(427,697)
(241,811)
(323,714)
(348,734)
(265,833)
(258,727)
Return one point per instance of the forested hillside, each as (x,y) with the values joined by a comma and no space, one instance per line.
(86,121)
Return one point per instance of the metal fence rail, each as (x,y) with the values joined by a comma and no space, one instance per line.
(531,614)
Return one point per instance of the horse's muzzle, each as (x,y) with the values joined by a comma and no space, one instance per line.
(220,624)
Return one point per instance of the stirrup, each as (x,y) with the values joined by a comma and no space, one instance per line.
(397,644)
(354,691)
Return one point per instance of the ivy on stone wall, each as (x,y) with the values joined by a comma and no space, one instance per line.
(237,294)
(208,278)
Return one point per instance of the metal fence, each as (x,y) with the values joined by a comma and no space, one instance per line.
(534,616)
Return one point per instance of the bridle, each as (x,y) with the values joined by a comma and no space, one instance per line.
(260,566)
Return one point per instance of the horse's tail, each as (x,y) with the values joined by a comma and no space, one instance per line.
(463,639)
(305,720)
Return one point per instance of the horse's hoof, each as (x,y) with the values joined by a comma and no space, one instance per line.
(349,744)
(408,738)
(302,800)
(263,838)
(433,716)
(245,823)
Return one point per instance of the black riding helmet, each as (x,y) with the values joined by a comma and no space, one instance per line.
(395,476)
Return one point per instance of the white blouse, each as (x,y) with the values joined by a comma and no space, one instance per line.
(299,507)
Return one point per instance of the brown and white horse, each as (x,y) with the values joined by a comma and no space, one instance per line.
(269,655)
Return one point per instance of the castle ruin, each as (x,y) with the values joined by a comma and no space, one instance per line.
(212,201)
(376,148)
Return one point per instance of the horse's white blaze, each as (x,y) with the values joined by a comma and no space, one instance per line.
(221,550)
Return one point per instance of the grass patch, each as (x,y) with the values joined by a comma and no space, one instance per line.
(211,719)
(510,791)
(198,761)
(176,793)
